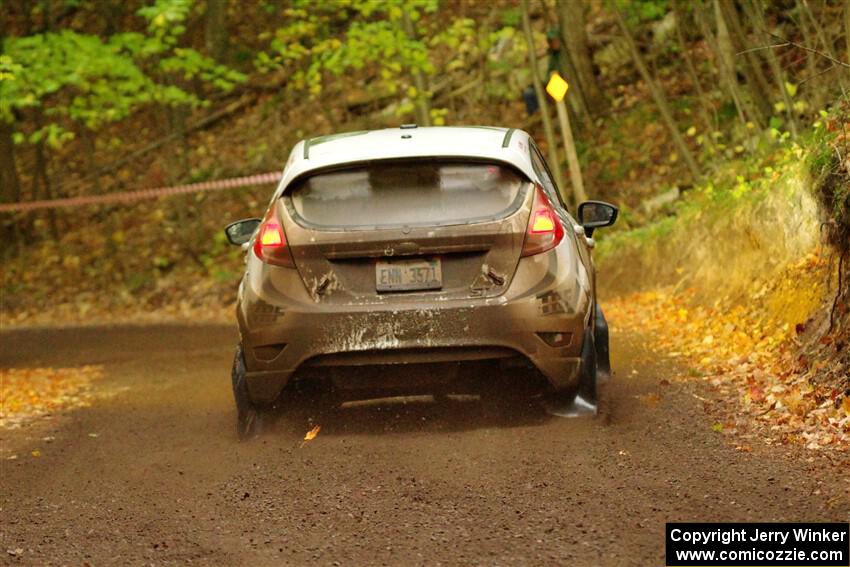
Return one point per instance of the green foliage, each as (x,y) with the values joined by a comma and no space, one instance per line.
(98,83)
(734,192)
(166,19)
(374,36)
(323,41)
(512,17)
(80,79)
(638,11)
(829,172)
(166,23)
(8,68)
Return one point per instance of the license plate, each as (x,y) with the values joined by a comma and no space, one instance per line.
(407,275)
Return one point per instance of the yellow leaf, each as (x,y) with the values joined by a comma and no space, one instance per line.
(312,433)
(36,453)
(791,88)
(649,399)
(845,404)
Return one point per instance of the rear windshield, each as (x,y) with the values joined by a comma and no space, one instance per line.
(407,193)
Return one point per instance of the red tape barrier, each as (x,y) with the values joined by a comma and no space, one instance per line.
(126,197)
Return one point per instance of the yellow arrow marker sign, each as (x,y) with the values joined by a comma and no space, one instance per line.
(557,87)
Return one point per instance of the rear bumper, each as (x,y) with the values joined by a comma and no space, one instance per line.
(443,331)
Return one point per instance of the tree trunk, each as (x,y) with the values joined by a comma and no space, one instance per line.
(725,61)
(750,64)
(807,12)
(571,17)
(808,39)
(756,13)
(89,139)
(706,109)
(660,99)
(423,110)
(113,13)
(548,132)
(821,35)
(10,185)
(847,32)
(10,188)
(42,177)
(215,29)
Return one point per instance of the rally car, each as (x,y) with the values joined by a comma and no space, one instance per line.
(413,258)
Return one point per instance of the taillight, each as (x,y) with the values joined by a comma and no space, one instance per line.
(270,244)
(545,230)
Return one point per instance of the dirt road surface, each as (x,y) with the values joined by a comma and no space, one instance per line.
(153,473)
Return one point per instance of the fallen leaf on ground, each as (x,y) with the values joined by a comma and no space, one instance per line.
(312,433)
(27,393)
(649,399)
(751,358)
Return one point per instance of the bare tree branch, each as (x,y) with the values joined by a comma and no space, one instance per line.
(818,74)
(762,48)
(790,43)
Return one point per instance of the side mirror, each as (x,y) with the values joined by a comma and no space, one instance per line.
(596,214)
(241,231)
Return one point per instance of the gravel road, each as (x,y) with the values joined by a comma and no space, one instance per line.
(153,472)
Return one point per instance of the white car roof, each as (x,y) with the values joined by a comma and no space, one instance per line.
(507,145)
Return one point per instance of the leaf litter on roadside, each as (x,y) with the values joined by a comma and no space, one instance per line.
(747,359)
(28,393)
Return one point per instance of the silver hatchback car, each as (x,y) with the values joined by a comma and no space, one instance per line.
(392,259)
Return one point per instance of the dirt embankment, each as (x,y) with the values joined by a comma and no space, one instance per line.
(749,291)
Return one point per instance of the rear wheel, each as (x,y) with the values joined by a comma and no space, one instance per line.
(249,415)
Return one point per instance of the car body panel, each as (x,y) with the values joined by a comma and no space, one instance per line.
(494,304)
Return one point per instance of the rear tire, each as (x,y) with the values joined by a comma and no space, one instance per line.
(249,415)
